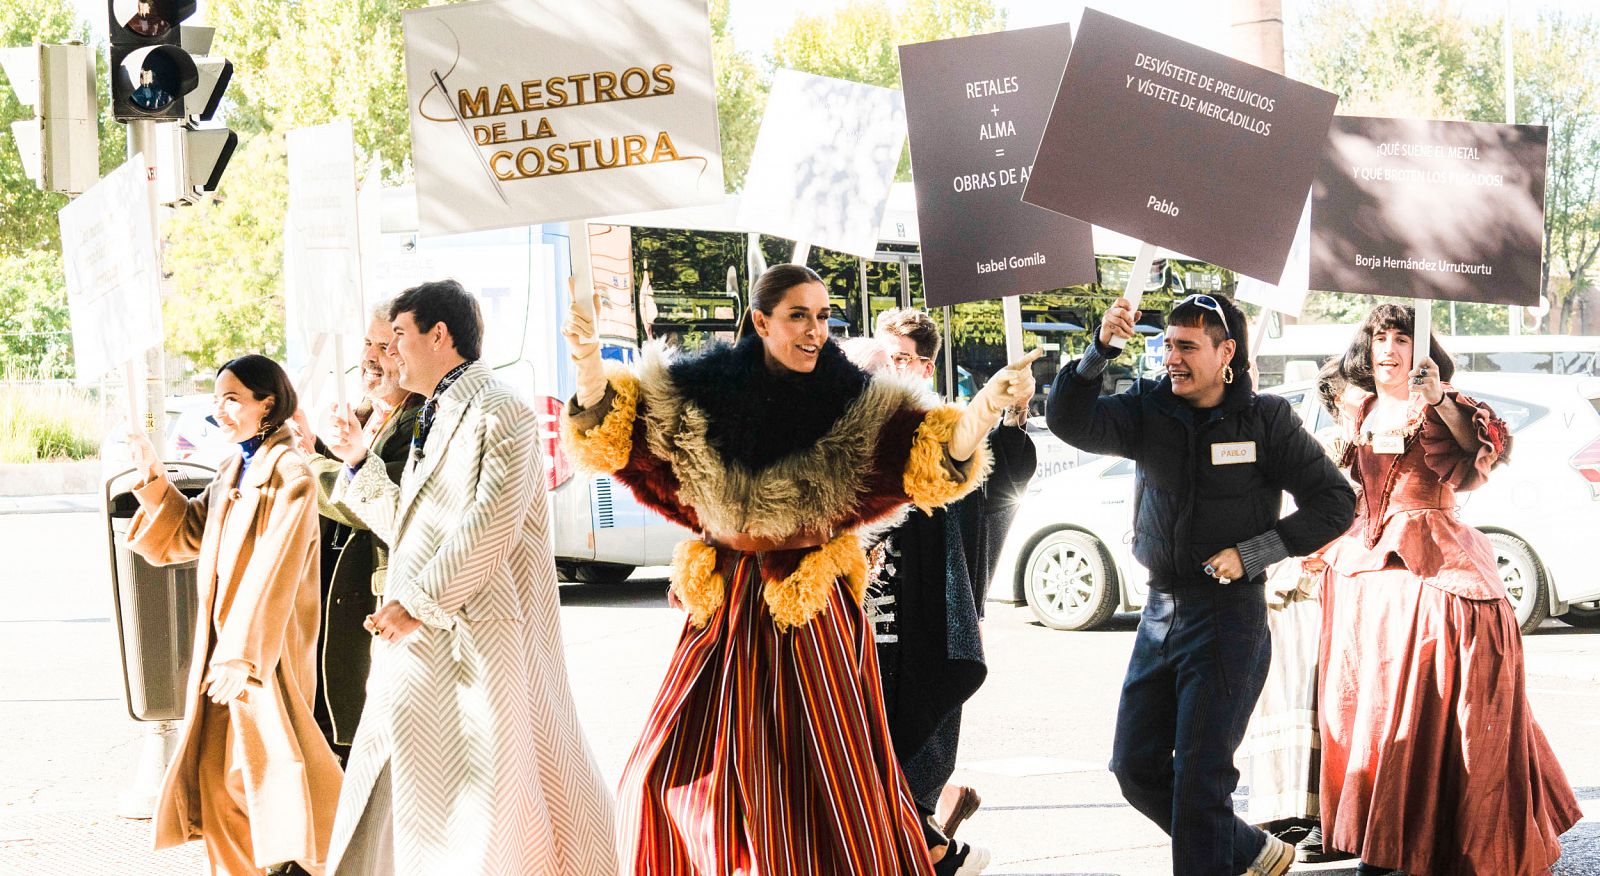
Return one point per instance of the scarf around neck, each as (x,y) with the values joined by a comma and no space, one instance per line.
(756,417)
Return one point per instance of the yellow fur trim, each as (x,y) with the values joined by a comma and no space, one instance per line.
(795,600)
(927,479)
(696,581)
(606,447)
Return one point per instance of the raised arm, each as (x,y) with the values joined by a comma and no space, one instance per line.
(168,527)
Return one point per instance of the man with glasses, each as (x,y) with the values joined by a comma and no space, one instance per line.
(925,599)
(1213,461)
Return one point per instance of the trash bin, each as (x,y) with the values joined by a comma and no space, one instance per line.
(154,606)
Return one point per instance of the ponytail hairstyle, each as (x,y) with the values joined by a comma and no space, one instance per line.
(266,379)
(768,291)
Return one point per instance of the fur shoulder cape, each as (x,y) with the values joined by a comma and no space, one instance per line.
(762,454)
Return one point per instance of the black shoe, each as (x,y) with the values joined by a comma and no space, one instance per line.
(287,868)
(962,859)
(1365,869)
(1312,851)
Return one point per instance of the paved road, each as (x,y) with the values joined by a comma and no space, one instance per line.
(1035,742)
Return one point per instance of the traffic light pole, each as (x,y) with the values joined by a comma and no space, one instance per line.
(142,141)
(160,739)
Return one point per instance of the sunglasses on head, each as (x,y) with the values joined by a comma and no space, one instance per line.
(1208,303)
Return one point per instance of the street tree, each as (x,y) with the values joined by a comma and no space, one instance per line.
(1399,58)
(860,41)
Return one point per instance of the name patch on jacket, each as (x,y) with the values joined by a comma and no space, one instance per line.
(1233,453)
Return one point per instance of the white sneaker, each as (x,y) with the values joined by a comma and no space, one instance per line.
(963,859)
(1275,859)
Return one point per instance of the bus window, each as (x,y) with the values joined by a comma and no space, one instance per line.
(1577,362)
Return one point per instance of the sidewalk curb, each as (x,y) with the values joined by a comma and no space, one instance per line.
(71,503)
(1578,666)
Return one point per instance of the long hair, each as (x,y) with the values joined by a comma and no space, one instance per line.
(768,290)
(1356,365)
(264,378)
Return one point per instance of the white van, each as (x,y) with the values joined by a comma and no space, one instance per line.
(519,276)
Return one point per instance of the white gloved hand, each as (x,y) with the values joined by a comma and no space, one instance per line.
(585,348)
(226,681)
(1009,387)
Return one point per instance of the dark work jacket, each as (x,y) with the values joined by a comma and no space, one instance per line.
(1186,508)
(947,560)
(354,562)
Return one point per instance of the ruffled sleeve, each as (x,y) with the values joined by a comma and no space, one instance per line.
(600,437)
(932,478)
(1457,467)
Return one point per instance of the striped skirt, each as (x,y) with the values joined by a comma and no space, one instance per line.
(766,753)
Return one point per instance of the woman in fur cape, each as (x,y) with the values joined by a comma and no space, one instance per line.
(766,750)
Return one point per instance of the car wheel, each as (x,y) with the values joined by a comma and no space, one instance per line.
(1070,582)
(602,573)
(1523,577)
(1583,614)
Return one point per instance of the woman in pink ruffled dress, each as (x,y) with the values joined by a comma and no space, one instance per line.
(1432,762)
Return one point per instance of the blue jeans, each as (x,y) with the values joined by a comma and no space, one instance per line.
(1199,663)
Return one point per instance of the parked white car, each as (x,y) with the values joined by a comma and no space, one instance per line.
(1069,552)
(191,436)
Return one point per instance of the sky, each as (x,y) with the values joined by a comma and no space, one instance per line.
(756,23)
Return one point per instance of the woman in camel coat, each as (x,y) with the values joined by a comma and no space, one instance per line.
(253,776)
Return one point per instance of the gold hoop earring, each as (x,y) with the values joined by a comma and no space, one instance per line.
(1227,374)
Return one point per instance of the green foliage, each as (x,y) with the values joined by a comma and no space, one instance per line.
(42,423)
(1405,58)
(30,214)
(301,63)
(860,41)
(741,98)
(226,261)
(34,334)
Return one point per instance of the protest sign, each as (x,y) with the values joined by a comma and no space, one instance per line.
(976,107)
(1180,147)
(531,111)
(323,246)
(824,162)
(108,248)
(1430,209)
(1288,295)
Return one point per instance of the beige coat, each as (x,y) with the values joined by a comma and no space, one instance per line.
(257,573)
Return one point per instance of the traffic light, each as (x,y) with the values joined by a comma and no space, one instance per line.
(161,71)
(191,160)
(150,71)
(191,156)
(60,145)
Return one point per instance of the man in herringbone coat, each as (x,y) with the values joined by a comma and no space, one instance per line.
(469,757)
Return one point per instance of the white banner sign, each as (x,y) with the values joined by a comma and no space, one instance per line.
(531,111)
(323,247)
(113,284)
(1289,296)
(824,162)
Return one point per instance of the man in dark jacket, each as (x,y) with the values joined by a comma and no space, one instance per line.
(930,576)
(1213,461)
(354,561)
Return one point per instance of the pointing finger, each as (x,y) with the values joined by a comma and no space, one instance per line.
(1031,357)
